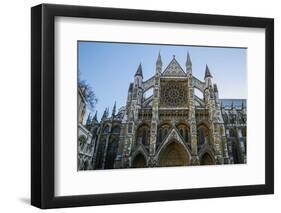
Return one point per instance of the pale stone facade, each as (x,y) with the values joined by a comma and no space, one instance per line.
(171,127)
(86,146)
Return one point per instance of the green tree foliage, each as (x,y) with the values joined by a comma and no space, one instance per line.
(88,92)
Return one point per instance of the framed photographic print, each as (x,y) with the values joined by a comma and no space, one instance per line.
(139,106)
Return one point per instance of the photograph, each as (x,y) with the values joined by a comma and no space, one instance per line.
(134,105)
(145,105)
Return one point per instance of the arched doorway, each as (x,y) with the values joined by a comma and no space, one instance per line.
(206,159)
(173,154)
(139,161)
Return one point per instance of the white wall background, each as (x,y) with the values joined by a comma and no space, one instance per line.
(15,105)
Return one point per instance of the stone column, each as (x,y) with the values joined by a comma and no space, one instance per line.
(105,148)
(155,117)
(192,121)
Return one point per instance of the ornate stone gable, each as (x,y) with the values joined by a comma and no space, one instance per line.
(174,69)
(172,136)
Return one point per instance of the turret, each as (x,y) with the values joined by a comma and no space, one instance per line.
(159,64)
(137,89)
(105,114)
(188,64)
(208,76)
(89,120)
(95,118)
(130,91)
(114,109)
(94,124)
(138,77)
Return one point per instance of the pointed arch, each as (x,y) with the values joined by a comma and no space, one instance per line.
(143,134)
(183,129)
(163,131)
(173,154)
(203,135)
(106,129)
(116,129)
(139,161)
(207,159)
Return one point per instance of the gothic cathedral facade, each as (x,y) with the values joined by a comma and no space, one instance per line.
(171,127)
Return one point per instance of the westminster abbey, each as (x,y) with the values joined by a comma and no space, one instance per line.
(170,127)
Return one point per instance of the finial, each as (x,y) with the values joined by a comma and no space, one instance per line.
(139,71)
(159,63)
(114,109)
(188,63)
(96,116)
(207,72)
(159,57)
(105,114)
(89,119)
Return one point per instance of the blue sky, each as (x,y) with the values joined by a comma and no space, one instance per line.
(110,67)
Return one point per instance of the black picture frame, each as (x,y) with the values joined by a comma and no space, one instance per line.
(43,105)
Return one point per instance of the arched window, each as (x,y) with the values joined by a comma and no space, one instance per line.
(143,134)
(203,135)
(116,129)
(82,141)
(163,132)
(105,129)
(184,132)
(181,132)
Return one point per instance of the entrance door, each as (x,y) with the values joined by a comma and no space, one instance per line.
(174,155)
(139,161)
(207,160)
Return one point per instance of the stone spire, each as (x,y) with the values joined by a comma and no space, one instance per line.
(89,119)
(105,114)
(207,72)
(96,116)
(114,109)
(139,71)
(188,63)
(159,63)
